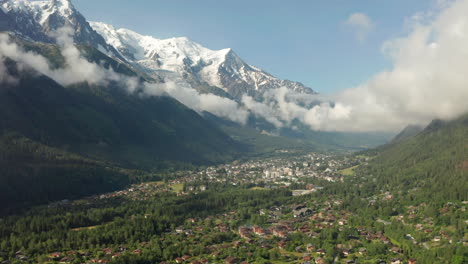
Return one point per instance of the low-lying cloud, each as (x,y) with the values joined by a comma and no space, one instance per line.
(78,69)
(214,104)
(428,80)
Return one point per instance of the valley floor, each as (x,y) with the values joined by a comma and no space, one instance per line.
(306,209)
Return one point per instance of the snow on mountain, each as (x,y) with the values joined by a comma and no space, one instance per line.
(36,20)
(175,59)
(193,62)
(179,55)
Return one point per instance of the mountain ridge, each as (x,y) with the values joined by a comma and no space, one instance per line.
(38,20)
(194,63)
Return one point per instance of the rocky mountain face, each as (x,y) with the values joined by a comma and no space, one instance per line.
(183,59)
(37,20)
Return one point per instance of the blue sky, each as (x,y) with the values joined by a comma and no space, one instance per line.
(306,41)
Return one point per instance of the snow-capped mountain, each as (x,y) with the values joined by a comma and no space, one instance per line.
(193,62)
(35,20)
(176,59)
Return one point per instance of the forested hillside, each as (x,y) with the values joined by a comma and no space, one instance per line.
(435,161)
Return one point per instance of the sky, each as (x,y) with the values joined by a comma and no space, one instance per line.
(327,45)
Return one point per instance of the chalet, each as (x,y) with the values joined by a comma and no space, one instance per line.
(346,252)
(303,212)
(259,230)
(137,251)
(186,257)
(231,260)
(304,229)
(249,241)
(245,232)
(179,260)
(310,247)
(123,248)
(264,244)
(67,259)
(362,251)
(55,255)
(412,261)
(236,243)
(396,250)
(321,251)
(319,260)
(282,244)
(395,261)
(280,231)
(314,234)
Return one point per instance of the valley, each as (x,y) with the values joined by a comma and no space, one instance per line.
(132,146)
(293,209)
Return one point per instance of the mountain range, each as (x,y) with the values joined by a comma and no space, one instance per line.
(177,59)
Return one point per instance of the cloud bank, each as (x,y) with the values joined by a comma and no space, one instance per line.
(77,70)
(428,80)
(214,104)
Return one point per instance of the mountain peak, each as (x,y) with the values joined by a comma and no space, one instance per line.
(63,5)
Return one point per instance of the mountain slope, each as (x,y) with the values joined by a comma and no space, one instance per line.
(435,160)
(407,132)
(184,60)
(33,173)
(108,123)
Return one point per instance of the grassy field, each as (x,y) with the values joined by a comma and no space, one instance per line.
(348,171)
(177,187)
(257,188)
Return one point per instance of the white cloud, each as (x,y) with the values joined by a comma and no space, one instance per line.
(428,79)
(77,69)
(214,104)
(261,110)
(361,24)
